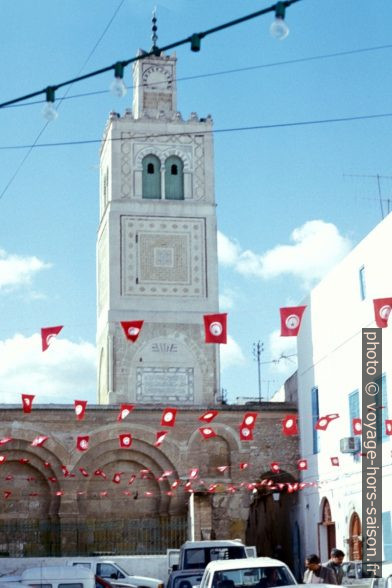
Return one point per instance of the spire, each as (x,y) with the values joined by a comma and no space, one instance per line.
(154,36)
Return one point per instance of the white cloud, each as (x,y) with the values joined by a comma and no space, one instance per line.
(227,299)
(63,373)
(316,247)
(231,354)
(16,270)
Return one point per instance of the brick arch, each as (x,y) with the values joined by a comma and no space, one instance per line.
(224,431)
(107,455)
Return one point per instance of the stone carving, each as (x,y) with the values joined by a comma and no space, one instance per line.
(160,384)
(162,256)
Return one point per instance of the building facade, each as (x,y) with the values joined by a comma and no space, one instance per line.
(329,383)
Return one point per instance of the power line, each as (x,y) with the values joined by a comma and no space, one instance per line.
(26,156)
(194,40)
(212,131)
(224,72)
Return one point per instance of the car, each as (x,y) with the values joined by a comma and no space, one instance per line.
(252,572)
(185,578)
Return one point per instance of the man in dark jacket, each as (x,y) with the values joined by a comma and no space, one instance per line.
(335,564)
(315,573)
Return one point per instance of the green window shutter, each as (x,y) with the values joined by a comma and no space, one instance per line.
(151,182)
(174,178)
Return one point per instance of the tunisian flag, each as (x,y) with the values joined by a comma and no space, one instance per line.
(382,310)
(215,326)
(132,329)
(47,333)
(290,320)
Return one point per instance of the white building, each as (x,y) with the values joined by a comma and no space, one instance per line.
(329,381)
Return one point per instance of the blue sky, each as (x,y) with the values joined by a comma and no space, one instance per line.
(290,202)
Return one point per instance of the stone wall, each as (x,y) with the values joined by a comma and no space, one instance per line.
(106,484)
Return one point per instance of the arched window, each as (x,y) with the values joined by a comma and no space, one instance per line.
(151,177)
(174,178)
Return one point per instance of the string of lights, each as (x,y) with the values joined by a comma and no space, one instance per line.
(223,72)
(279,29)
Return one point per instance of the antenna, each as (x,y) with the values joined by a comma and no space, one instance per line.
(378,177)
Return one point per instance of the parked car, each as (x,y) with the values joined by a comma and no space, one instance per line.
(112,571)
(50,577)
(184,578)
(197,554)
(253,572)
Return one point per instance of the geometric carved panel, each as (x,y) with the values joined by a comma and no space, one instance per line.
(162,256)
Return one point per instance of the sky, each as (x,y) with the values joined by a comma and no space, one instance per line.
(302,157)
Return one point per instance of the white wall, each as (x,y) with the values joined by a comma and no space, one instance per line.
(329,357)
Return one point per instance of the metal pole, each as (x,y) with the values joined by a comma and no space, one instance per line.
(258,348)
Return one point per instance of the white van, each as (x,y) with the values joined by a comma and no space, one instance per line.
(52,577)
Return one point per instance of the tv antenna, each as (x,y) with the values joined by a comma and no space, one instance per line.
(381,200)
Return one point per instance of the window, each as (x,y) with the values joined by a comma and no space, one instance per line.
(174,178)
(315,418)
(387,535)
(382,412)
(354,413)
(151,182)
(362,283)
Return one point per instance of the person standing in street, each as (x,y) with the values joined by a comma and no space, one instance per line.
(315,573)
(335,564)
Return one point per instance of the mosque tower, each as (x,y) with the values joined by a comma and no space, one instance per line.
(157,247)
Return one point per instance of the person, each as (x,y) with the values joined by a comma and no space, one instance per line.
(335,564)
(315,573)
(272,578)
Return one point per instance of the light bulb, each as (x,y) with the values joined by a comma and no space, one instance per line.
(279,28)
(118,88)
(49,112)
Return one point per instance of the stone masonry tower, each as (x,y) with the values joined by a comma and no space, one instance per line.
(157,248)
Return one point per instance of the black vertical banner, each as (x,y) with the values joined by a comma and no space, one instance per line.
(372,451)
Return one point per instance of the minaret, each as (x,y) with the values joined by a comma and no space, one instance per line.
(157,247)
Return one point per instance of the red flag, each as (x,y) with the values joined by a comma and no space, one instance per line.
(7,494)
(222,468)
(5,440)
(246,433)
(388,426)
(324,421)
(290,320)
(132,329)
(131,479)
(47,333)
(249,419)
(168,417)
(302,464)
(125,440)
(382,310)
(2,459)
(243,465)
(65,471)
(357,426)
(175,484)
(84,472)
(101,473)
(39,441)
(215,327)
(207,432)
(27,402)
(125,409)
(160,436)
(208,416)
(274,467)
(335,461)
(24,460)
(80,408)
(193,473)
(117,477)
(82,442)
(289,425)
